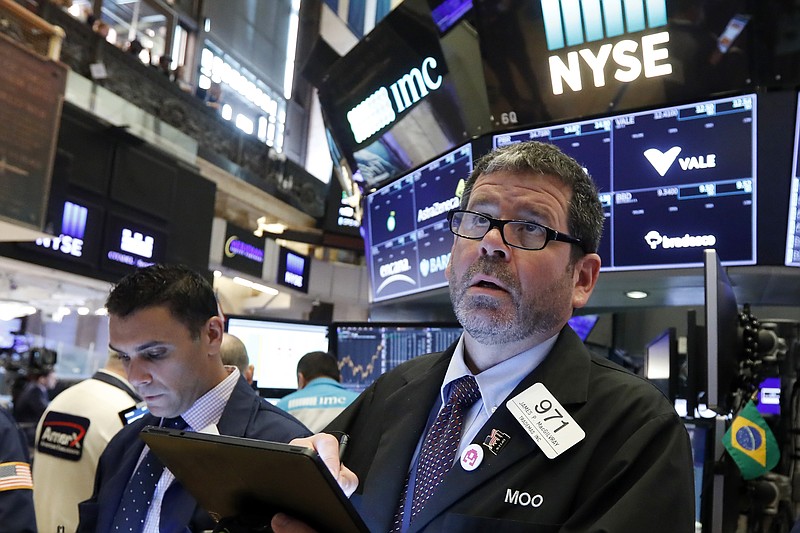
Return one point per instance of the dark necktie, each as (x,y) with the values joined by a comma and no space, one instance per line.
(441,444)
(138,494)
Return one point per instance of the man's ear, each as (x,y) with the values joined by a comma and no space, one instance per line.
(587,269)
(215,328)
(301,380)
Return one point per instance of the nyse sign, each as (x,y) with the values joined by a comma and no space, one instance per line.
(569,23)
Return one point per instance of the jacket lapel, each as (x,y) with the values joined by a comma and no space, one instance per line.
(238,411)
(565,373)
(114,487)
(411,404)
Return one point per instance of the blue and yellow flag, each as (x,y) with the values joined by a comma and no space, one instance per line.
(751,444)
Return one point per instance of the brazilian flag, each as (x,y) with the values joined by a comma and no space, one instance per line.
(751,444)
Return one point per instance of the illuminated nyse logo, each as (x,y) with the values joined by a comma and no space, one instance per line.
(381,108)
(569,23)
(662,161)
(73,229)
(234,247)
(295,267)
(654,239)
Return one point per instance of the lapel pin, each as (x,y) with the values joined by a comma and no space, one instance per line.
(496,440)
(471,457)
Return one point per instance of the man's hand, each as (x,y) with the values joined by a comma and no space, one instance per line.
(283,523)
(328,449)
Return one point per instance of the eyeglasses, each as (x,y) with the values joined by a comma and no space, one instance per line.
(517,233)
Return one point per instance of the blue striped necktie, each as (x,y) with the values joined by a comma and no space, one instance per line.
(138,494)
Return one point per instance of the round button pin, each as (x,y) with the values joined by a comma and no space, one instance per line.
(472,457)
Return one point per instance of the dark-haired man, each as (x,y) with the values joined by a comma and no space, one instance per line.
(165,326)
(516,427)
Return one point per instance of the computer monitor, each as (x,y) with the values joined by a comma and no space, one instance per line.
(583,325)
(274,347)
(661,364)
(365,350)
(721,334)
(701,435)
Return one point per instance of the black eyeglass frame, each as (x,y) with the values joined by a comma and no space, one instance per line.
(550,233)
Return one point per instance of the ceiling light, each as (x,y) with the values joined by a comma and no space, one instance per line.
(636,295)
(217,274)
(10,309)
(83,311)
(255,286)
(102,311)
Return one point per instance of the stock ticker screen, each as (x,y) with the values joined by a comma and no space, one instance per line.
(367,350)
(793,231)
(672,181)
(408,241)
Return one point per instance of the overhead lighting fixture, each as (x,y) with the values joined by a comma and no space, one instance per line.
(636,295)
(102,311)
(83,311)
(10,310)
(255,286)
(271,227)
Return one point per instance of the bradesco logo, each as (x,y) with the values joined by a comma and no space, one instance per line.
(569,23)
(654,239)
(662,161)
(380,109)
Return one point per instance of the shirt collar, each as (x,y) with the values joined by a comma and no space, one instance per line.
(207,409)
(496,382)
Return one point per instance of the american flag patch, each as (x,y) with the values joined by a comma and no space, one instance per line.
(14,476)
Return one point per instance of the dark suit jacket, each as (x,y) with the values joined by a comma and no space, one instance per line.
(632,472)
(245,415)
(29,408)
(16,505)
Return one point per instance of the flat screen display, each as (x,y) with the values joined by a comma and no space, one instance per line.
(769,396)
(407,239)
(129,244)
(793,231)
(583,325)
(365,350)
(274,348)
(293,269)
(672,181)
(76,229)
(700,435)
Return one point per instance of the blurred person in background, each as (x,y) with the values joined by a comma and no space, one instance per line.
(320,396)
(30,404)
(234,353)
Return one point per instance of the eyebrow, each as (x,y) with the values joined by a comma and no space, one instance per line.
(140,348)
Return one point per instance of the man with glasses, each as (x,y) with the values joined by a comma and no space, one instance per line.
(517,426)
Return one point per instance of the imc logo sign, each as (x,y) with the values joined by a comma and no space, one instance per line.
(571,23)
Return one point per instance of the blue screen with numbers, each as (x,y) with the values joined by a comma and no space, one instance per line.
(673,181)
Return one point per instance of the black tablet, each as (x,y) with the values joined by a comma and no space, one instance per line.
(251,479)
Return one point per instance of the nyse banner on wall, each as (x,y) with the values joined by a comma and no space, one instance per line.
(31,93)
(558,59)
